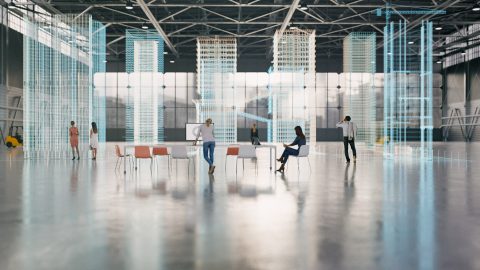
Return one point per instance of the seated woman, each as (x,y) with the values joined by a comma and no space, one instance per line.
(300,140)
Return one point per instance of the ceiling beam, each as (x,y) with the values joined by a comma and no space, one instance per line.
(115,40)
(264,22)
(287,19)
(157,26)
(247,5)
(83,12)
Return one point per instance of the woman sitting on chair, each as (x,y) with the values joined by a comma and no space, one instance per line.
(300,140)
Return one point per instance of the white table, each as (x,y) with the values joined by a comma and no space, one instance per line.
(271,147)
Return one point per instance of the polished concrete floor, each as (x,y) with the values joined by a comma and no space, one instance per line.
(375,214)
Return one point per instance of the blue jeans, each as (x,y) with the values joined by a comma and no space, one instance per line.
(208,149)
(289,152)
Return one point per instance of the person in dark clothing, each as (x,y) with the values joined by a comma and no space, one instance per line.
(254,135)
(299,140)
(349,134)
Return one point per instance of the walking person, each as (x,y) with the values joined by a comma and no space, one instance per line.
(74,139)
(94,140)
(254,135)
(349,134)
(208,137)
(299,140)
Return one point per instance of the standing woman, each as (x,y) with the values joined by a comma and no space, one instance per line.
(254,135)
(74,139)
(299,140)
(94,140)
(208,136)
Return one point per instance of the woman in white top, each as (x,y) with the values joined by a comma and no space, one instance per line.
(206,131)
(94,140)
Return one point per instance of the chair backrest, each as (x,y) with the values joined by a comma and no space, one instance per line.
(303,151)
(160,151)
(247,151)
(179,151)
(232,151)
(142,152)
(117,151)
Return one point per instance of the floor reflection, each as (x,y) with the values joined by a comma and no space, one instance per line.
(371,215)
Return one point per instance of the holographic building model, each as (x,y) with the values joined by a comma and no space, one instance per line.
(144,109)
(60,57)
(216,68)
(408,90)
(359,70)
(292,84)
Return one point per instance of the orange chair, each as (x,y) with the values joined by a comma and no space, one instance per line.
(143,152)
(231,151)
(119,154)
(161,151)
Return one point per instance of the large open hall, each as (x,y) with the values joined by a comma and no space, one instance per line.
(239,134)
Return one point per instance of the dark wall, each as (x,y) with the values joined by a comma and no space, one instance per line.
(11,55)
(247,64)
(3,53)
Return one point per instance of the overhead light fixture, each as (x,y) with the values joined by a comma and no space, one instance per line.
(476,7)
(105,61)
(172,61)
(165,52)
(438,28)
(411,42)
(129,5)
(145,26)
(293,27)
(303,7)
(463,52)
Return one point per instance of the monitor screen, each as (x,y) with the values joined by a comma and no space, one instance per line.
(191,131)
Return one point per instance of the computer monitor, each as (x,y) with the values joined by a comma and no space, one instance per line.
(191,131)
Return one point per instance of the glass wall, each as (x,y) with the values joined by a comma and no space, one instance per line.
(251,97)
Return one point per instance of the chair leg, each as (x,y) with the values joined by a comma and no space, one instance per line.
(168,162)
(236,167)
(226,163)
(298,165)
(309,167)
(193,165)
(116,163)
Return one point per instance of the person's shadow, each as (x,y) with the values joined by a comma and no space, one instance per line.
(74,178)
(349,181)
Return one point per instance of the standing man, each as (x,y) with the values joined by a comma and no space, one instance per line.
(349,133)
(208,136)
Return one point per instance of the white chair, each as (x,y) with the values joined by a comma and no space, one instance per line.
(180,152)
(244,152)
(303,152)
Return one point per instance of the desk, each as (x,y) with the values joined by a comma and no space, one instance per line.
(271,147)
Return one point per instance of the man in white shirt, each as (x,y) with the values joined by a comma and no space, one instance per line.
(349,134)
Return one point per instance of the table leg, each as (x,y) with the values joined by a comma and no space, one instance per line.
(125,160)
(270,158)
(275,149)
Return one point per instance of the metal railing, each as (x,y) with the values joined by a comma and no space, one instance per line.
(467,123)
